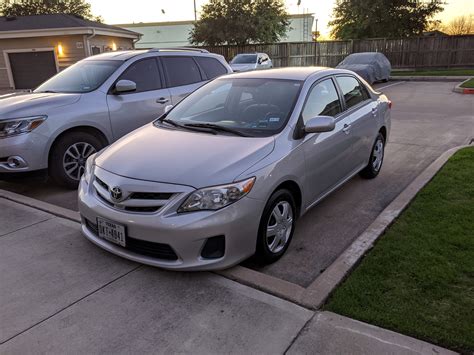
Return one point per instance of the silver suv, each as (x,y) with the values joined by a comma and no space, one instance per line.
(93,103)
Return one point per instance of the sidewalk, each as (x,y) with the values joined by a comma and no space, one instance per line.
(61,294)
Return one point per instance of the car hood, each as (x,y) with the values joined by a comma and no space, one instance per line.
(183,157)
(27,104)
(243,67)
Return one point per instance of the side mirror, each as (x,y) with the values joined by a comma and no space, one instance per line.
(168,108)
(320,124)
(125,86)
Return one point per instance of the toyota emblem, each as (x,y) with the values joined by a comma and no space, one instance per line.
(116,193)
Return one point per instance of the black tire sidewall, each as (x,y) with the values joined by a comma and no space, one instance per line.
(263,254)
(56,169)
(369,172)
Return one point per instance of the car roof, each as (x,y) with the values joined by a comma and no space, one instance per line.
(116,55)
(127,54)
(289,73)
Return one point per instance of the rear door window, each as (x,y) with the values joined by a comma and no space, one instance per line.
(145,74)
(181,70)
(352,90)
(211,66)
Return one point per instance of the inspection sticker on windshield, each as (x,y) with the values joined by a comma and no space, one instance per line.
(274,119)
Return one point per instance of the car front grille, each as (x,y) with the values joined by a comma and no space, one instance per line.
(143,247)
(136,202)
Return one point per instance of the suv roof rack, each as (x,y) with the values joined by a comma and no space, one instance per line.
(200,50)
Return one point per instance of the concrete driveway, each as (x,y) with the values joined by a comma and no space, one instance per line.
(427,119)
(59,294)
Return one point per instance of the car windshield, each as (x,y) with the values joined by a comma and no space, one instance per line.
(81,77)
(244,59)
(255,107)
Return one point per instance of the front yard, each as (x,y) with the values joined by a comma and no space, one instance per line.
(419,278)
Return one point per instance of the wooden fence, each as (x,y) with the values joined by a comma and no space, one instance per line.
(410,53)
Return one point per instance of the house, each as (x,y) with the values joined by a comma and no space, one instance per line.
(176,34)
(435,33)
(34,48)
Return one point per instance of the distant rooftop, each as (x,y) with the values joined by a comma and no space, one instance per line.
(188,22)
(53,21)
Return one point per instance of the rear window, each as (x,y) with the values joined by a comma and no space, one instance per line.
(211,66)
(181,70)
(351,90)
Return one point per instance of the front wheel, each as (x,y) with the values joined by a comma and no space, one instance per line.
(68,157)
(276,227)
(376,158)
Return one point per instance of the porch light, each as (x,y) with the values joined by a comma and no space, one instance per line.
(114,46)
(60,50)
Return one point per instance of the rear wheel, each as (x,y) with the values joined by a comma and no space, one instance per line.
(376,158)
(68,157)
(277,226)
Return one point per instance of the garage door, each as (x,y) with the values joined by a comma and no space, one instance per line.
(29,69)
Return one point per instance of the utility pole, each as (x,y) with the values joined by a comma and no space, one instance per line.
(195,11)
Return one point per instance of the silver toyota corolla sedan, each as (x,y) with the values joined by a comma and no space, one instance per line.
(226,173)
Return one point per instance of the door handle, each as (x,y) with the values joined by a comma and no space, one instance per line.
(347,128)
(162,100)
(374,111)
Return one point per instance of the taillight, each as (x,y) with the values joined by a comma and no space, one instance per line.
(389,104)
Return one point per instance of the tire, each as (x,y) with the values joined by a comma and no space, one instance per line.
(68,157)
(268,252)
(376,159)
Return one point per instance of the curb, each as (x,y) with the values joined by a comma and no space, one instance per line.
(429,78)
(459,89)
(316,294)
(40,205)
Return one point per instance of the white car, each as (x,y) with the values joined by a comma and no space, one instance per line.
(251,61)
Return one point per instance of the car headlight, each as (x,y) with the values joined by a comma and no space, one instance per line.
(216,197)
(12,127)
(89,168)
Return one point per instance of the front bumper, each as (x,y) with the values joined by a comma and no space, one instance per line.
(30,148)
(185,233)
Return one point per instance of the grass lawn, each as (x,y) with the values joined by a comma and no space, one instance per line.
(419,278)
(468,84)
(434,72)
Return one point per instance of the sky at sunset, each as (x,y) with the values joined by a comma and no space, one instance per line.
(126,11)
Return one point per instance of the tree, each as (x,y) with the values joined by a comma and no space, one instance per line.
(240,22)
(462,25)
(357,19)
(71,7)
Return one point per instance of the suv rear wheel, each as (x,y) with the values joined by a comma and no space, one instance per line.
(68,157)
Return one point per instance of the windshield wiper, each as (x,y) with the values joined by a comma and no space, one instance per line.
(190,128)
(217,128)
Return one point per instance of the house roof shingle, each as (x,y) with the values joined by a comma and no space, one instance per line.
(52,21)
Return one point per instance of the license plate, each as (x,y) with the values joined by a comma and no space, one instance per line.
(111,231)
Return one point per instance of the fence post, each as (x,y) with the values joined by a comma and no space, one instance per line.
(288,54)
(352,46)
